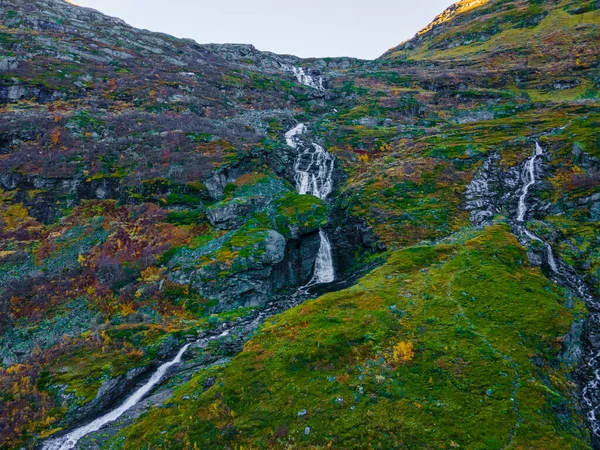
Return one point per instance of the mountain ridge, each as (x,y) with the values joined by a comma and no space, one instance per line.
(149,200)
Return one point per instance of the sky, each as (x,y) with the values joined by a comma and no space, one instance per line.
(306,28)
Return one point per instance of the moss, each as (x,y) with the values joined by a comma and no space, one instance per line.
(186,217)
(298,214)
(200,137)
(406,202)
(474,316)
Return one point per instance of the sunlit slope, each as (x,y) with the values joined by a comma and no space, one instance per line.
(511,32)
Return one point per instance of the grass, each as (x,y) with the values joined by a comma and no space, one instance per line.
(477,318)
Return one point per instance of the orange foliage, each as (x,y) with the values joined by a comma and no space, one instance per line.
(55,136)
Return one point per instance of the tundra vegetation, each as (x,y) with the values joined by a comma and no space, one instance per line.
(147,196)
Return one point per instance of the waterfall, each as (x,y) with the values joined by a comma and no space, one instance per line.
(303,78)
(568,277)
(69,440)
(314,176)
(314,168)
(530,173)
(324,263)
(529,176)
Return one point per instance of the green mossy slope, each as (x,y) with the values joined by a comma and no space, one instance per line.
(455,345)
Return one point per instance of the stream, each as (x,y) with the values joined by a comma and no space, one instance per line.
(314,170)
(483,200)
(243,326)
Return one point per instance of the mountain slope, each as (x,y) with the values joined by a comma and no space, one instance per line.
(397,361)
(149,198)
(558,34)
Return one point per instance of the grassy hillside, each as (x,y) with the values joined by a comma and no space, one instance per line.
(143,178)
(452,345)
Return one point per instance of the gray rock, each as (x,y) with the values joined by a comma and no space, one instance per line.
(595,212)
(8,64)
(216,185)
(572,350)
(475,116)
(274,248)
(576,152)
(369,122)
(233,214)
(534,258)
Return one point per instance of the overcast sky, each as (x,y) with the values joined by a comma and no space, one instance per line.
(359,28)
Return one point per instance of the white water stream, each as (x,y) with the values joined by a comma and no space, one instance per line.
(530,173)
(314,172)
(567,276)
(303,78)
(69,440)
(323,272)
(530,179)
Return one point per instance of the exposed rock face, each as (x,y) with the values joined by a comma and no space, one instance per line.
(233,214)
(297,266)
(495,190)
(248,282)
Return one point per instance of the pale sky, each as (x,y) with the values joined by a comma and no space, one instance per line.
(359,28)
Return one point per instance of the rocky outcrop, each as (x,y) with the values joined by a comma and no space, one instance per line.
(233,214)
(233,271)
(296,268)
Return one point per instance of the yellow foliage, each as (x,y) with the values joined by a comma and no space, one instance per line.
(364,158)
(135,353)
(14,215)
(55,136)
(386,147)
(151,274)
(106,340)
(81,259)
(127,309)
(403,352)
(215,408)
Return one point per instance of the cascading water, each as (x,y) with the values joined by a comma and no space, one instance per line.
(529,176)
(314,172)
(568,277)
(303,78)
(530,173)
(244,326)
(69,440)
(324,272)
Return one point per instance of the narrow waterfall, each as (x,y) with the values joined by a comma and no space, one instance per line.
(314,168)
(530,179)
(69,440)
(530,173)
(314,176)
(564,274)
(324,263)
(303,78)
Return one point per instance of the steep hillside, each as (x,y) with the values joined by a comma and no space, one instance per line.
(561,35)
(154,193)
